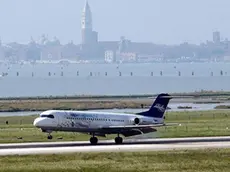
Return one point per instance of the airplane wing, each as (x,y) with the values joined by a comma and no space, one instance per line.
(138,126)
(132,130)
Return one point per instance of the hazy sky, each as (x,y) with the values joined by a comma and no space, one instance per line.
(158,21)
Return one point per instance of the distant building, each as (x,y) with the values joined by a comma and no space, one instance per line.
(33,52)
(15,52)
(53,50)
(51,53)
(110,56)
(2,54)
(216,37)
(89,45)
(150,58)
(121,50)
(126,57)
(124,49)
(87,26)
(70,51)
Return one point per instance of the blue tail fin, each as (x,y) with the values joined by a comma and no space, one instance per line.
(159,106)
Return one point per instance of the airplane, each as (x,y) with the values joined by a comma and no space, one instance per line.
(102,123)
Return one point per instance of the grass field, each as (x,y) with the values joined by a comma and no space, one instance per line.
(203,123)
(174,161)
(42,105)
(102,102)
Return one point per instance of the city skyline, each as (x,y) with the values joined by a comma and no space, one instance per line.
(34,19)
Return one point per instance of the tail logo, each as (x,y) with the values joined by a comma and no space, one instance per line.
(159,107)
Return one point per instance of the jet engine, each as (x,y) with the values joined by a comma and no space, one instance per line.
(137,121)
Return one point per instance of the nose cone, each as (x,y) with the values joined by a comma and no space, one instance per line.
(44,122)
(38,122)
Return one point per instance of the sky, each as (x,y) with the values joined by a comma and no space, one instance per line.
(157,21)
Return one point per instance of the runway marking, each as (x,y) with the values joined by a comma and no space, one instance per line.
(114,148)
(111,142)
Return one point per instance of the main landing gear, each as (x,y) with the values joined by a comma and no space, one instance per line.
(94,140)
(118,140)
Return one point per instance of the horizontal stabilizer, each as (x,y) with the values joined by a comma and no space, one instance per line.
(172,97)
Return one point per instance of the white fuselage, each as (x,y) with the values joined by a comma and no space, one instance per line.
(87,121)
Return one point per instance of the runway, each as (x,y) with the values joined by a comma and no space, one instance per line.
(109,146)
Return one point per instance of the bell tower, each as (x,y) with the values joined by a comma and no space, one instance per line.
(86,24)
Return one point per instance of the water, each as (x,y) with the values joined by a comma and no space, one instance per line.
(23,113)
(173,106)
(76,79)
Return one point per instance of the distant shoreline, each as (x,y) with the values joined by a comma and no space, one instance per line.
(105,102)
(183,95)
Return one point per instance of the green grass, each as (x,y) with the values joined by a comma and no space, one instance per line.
(101,102)
(206,160)
(203,123)
(42,105)
(222,107)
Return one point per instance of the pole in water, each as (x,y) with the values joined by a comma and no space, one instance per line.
(221,73)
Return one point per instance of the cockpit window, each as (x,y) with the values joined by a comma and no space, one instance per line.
(47,116)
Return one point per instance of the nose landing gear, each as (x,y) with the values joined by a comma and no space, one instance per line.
(50,137)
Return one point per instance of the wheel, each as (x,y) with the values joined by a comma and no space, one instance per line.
(49,137)
(93,140)
(118,140)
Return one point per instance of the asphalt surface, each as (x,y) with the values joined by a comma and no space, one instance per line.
(109,146)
